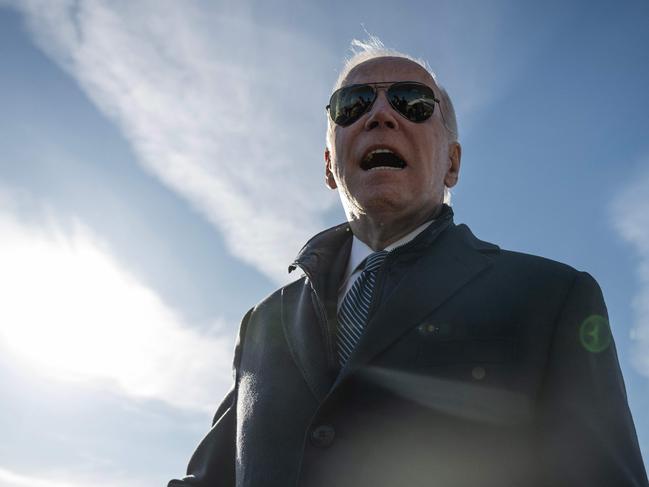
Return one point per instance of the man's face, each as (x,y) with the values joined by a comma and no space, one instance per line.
(431,159)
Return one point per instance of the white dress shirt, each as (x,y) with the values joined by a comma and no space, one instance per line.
(360,251)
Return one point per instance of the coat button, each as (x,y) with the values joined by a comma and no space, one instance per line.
(478,373)
(323,436)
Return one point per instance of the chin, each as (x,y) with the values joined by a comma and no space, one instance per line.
(384,203)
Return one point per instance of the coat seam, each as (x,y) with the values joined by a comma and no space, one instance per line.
(305,374)
(555,326)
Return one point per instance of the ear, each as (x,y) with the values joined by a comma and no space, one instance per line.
(329,175)
(453,172)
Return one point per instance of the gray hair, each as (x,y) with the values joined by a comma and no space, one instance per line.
(372,48)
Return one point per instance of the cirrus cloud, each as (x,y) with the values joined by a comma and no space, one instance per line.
(631,219)
(212,117)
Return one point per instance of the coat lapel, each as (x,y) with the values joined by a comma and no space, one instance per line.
(453,262)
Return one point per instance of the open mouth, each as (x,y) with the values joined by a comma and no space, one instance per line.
(382,159)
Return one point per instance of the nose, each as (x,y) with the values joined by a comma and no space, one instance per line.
(382,115)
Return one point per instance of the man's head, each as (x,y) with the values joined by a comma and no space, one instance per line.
(428,148)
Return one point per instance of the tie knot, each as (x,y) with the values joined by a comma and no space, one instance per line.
(374,261)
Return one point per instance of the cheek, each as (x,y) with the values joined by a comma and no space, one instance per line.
(338,169)
(342,144)
(340,166)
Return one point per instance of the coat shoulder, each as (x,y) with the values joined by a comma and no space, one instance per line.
(536,263)
(273,300)
(521,269)
(520,261)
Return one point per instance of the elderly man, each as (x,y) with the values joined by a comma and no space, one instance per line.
(410,352)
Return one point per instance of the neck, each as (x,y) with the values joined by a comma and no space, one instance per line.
(379,231)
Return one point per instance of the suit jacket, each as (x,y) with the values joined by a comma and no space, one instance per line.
(478,367)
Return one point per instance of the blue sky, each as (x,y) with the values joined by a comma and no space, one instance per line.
(161,164)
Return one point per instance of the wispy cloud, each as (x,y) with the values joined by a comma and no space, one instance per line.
(71,311)
(10,478)
(219,106)
(208,102)
(631,219)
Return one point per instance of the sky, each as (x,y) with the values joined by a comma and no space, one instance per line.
(161,165)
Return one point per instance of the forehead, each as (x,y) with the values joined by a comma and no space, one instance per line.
(388,69)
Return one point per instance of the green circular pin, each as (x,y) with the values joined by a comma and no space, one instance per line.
(595,334)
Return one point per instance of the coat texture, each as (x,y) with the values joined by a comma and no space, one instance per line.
(478,367)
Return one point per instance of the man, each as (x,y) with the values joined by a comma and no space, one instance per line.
(411,353)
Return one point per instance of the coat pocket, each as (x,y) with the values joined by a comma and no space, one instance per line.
(465,351)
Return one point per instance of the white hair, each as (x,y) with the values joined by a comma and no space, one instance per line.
(373,48)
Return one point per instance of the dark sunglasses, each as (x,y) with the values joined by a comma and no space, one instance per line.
(414,101)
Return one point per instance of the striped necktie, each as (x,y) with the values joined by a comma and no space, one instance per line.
(352,316)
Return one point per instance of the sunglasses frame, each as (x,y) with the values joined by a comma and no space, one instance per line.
(387,85)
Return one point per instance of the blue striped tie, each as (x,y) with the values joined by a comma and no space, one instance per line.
(352,316)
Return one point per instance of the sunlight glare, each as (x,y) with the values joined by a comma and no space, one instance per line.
(75,314)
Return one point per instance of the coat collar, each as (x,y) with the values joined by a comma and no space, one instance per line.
(322,253)
(325,246)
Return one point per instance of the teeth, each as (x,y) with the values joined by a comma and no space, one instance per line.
(382,159)
(385,168)
(380,151)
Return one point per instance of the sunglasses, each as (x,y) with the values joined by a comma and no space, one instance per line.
(414,101)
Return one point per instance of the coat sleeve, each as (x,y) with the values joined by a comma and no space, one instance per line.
(587,433)
(213,462)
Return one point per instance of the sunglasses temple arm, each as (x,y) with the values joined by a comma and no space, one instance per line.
(441,112)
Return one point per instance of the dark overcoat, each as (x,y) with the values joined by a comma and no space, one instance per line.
(478,367)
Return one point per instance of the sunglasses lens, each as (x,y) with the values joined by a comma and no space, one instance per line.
(348,104)
(414,101)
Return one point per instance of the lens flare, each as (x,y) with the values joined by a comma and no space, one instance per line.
(595,334)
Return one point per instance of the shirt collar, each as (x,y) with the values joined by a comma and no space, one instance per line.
(360,250)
